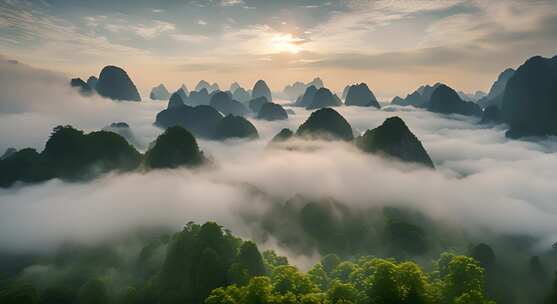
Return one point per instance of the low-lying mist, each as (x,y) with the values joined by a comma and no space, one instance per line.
(484,184)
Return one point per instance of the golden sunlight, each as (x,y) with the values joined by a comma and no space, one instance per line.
(281,43)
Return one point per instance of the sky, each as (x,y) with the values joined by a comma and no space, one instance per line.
(394,46)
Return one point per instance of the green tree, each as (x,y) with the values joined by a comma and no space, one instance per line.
(175,147)
(93,292)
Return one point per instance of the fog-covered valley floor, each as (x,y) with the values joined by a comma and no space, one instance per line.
(484,184)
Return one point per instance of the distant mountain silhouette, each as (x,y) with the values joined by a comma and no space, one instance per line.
(175,101)
(174,148)
(446,101)
(9,152)
(530,99)
(284,135)
(114,83)
(394,139)
(183,92)
(241,95)
(324,98)
(235,127)
(294,91)
(326,123)
(184,88)
(81,85)
(197,98)
(223,102)
(360,95)
(260,89)
(495,95)
(256,104)
(159,93)
(200,120)
(92,82)
(234,86)
(202,84)
(306,99)
(272,111)
(419,98)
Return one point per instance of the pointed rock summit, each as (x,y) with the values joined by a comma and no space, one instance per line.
(272,111)
(260,89)
(446,101)
(114,83)
(394,139)
(324,98)
(530,99)
(159,93)
(224,103)
(235,127)
(326,123)
(306,99)
(360,95)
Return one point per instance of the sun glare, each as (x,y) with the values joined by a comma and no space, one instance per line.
(286,43)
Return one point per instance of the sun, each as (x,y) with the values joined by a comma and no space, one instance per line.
(286,43)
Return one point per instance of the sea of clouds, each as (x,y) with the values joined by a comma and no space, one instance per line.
(483,181)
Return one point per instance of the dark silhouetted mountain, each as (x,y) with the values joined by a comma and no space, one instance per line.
(175,101)
(326,123)
(197,98)
(114,83)
(235,127)
(9,152)
(159,93)
(174,148)
(124,130)
(324,98)
(184,88)
(446,101)
(530,99)
(360,95)
(201,120)
(284,135)
(183,92)
(256,104)
(397,100)
(81,85)
(260,89)
(241,95)
(394,139)
(419,98)
(202,84)
(491,114)
(92,82)
(70,154)
(234,86)
(298,88)
(272,111)
(25,166)
(495,95)
(306,99)
(223,102)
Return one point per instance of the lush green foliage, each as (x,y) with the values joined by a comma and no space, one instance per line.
(175,147)
(207,264)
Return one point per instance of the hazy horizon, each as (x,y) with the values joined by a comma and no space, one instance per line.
(394,46)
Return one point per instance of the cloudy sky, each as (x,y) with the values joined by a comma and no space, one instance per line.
(394,46)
